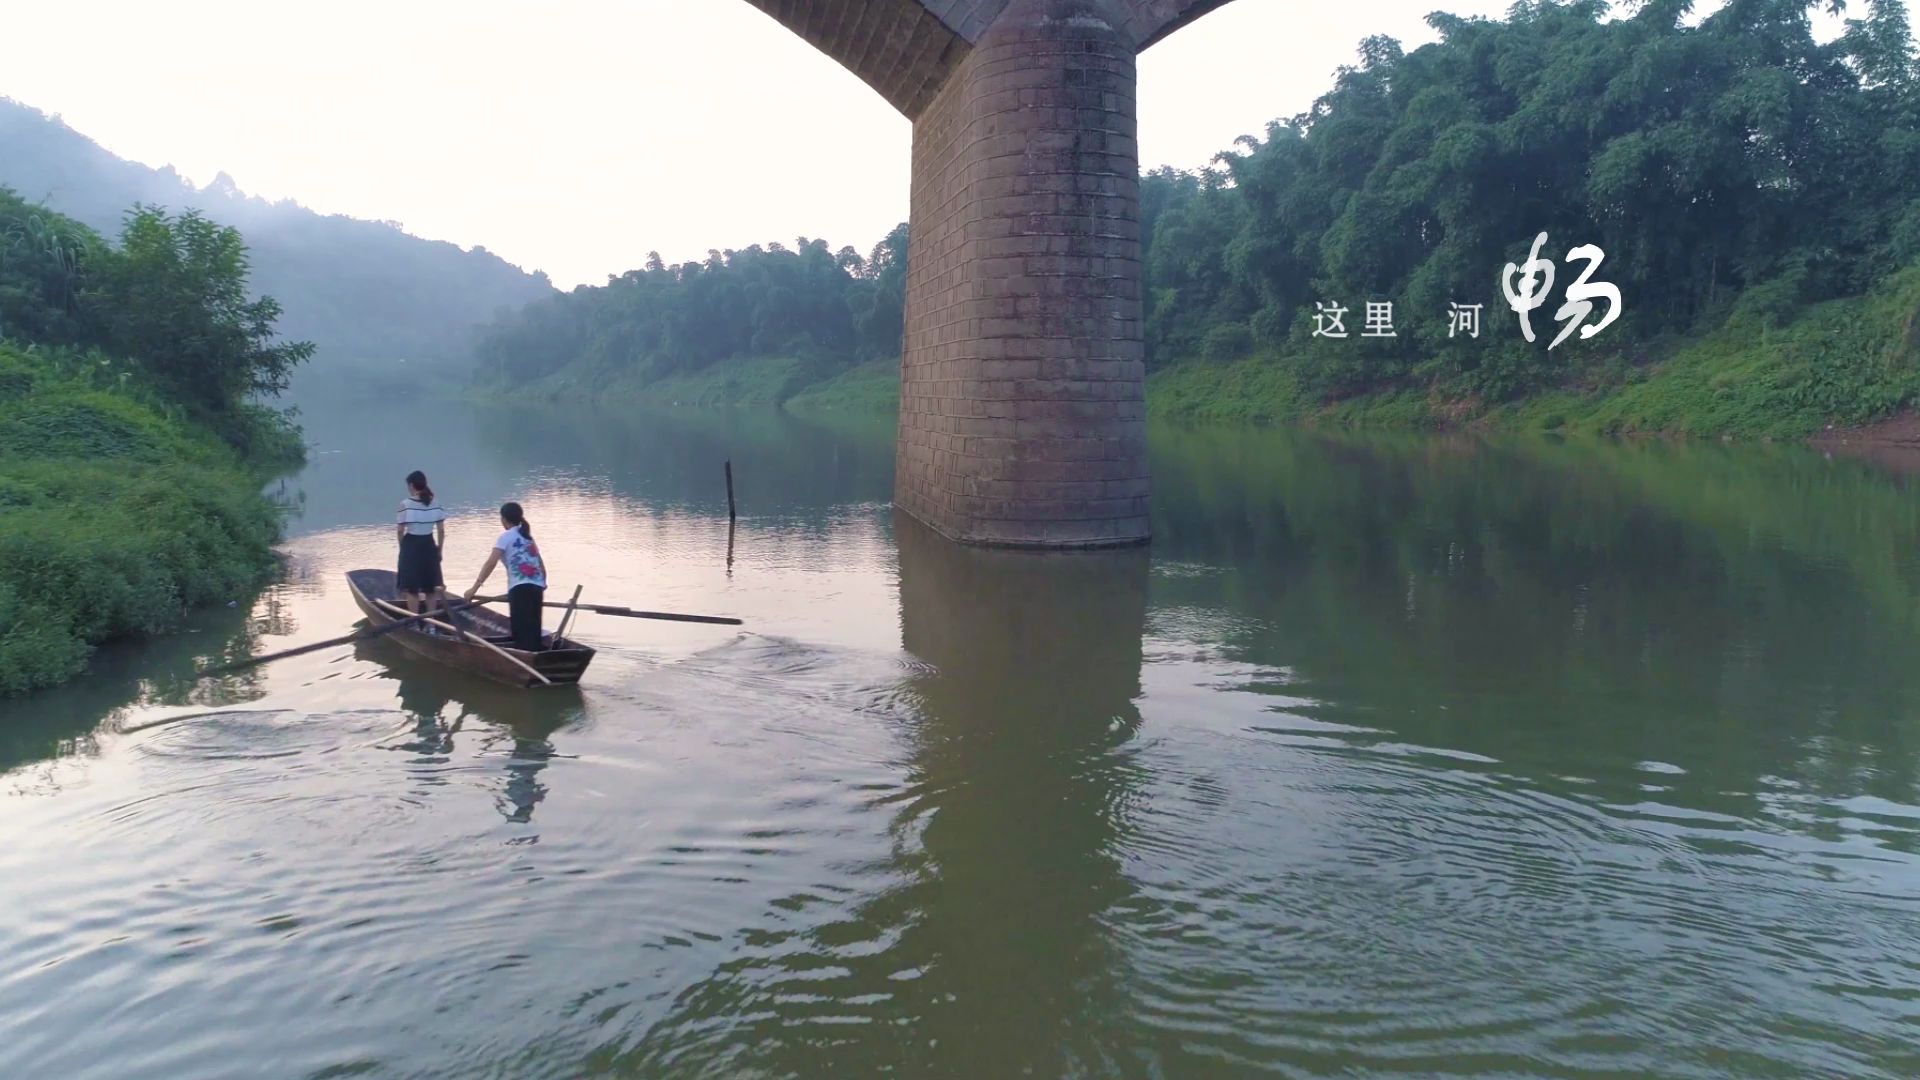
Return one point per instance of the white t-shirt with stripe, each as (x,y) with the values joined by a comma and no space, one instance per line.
(419,517)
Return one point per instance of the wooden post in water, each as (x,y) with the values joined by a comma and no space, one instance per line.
(730,517)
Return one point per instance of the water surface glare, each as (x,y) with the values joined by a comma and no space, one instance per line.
(1419,756)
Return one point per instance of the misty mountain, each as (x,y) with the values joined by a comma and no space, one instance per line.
(360,290)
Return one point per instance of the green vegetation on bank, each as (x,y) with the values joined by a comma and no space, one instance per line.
(1839,362)
(872,387)
(1842,362)
(132,440)
(744,380)
(1756,194)
(747,381)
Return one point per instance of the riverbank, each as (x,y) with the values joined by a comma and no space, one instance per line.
(741,381)
(1838,366)
(121,515)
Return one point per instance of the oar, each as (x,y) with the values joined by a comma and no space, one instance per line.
(358,635)
(624,612)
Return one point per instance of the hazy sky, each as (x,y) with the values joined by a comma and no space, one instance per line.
(574,136)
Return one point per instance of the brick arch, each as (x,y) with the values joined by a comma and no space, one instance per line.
(906,49)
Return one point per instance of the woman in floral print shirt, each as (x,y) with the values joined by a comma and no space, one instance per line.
(526,576)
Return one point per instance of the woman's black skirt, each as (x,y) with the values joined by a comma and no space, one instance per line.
(419,564)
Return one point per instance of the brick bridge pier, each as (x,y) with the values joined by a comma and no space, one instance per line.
(1022,398)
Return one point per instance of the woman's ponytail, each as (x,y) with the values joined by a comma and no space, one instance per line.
(516,518)
(418,481)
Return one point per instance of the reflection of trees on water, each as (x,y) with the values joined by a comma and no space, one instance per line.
(142,673)
(1569,607)
(478,456)
(782,464)
(361,448)
(271,616)
(444,704)
(986,953)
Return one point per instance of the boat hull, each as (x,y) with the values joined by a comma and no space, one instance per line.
(563,661)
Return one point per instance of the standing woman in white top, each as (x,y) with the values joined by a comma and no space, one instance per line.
(526,576)
(423,532)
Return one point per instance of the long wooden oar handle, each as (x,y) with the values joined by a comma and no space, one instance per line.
(625,612)
(358,635)
(670,616)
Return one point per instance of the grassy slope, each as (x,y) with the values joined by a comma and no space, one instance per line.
(754,381)
(1844,362)
(762,381)
(869,388)
(115,516)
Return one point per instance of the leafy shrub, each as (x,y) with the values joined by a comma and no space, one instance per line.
(17,377)
(117,518)
(1226,343)
(37,645)
(86,424)
(1773,302)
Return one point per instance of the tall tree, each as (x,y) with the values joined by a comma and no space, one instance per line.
(175,298)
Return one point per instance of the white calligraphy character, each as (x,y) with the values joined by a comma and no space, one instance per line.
(1463,319)
(1528,298)
(1581,295)
(1327,320)
(1379,319)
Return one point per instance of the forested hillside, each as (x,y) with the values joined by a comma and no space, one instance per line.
(821,309)
(360,290)
(1756,194)
(1734,173)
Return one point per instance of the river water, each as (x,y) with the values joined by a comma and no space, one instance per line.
(1411,755)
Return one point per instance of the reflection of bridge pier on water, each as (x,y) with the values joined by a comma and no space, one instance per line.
(1020,782)
(977,943)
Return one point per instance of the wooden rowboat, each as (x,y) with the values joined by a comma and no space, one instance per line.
(561,660)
